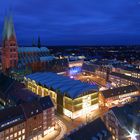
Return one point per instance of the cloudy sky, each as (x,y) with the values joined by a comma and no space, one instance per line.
(74,22)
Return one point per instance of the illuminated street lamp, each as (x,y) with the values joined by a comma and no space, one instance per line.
(133,136)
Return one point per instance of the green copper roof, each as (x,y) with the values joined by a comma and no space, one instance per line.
(8,28)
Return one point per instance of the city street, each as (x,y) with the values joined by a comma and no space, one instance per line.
(91,79)
(58,133)
(78,122)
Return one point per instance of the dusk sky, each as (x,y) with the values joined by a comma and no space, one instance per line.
(74,22)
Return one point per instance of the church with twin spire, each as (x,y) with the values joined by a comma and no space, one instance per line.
(20,59)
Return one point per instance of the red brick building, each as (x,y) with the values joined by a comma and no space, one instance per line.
(27,121)
(9,46)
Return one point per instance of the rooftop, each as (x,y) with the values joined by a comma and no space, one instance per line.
(32,49)
(91,131)
(128,115)
(119,91)
(66,86)
(17,114)
(10,89)
(10,117)
(133,79)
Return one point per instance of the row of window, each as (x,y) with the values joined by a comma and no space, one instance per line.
(13,62)
(11,138)
(14,135)
(13,49)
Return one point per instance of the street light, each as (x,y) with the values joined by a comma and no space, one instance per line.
(133,136)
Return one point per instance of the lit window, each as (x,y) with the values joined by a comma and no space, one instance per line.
(23,137)
(15,135)
(113,137)
(7,138)
(19,133)
(23,131)
(19,138)
(11,137)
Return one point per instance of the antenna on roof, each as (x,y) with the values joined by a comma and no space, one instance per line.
(39,42)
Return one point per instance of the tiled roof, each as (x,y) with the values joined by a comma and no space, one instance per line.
(46,102)
(17,114)
(133,79)
(32,49)
(10,117)
(119,91)
(10,89)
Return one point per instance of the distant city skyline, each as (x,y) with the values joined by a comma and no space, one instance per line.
(81,22)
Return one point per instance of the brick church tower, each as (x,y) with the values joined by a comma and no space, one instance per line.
(9,46)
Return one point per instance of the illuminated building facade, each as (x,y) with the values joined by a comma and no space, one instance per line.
(27,121)
(129,71)
(12,124)
(71,97)
(117,96)
(76,63)
(118,79)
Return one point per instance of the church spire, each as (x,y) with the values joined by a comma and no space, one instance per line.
(9,46)
(4,35)
(9,31)
(39,42)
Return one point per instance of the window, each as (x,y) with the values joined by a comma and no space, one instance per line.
(113,137)
(7,131)
(15,128)
(19,138)
(11,62)
(15,135)
(11,130)
(1,135)
(15,62)
(23,137)
(11,137)
(23,131)
(19,132)
(7,138)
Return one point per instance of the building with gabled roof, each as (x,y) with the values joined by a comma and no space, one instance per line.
(31,120)
(14,93)
(118,96)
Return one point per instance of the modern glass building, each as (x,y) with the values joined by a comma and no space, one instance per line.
(71,97)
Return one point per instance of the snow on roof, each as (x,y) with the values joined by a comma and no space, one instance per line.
(66,85)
